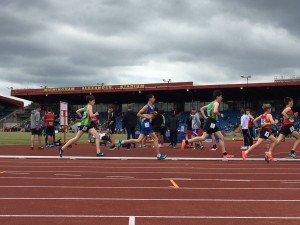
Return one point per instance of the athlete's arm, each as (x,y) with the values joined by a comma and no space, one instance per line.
(215,109)
(256,119)
(141,113)
(202,111)
(78,112)
(270,117)
(90,111)
(285,111)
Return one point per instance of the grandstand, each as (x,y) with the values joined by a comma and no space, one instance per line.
(181,96)
(8,112)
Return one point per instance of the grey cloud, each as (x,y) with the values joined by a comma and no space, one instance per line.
(77,42)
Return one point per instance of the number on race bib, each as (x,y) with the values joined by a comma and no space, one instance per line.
(292,129)
(147,124)
(267,134)
(212,126)
(84,128)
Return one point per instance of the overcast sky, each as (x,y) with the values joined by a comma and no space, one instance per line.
(61,43)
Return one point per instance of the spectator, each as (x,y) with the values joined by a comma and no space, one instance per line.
(173,123)
(129,124)
(35,120)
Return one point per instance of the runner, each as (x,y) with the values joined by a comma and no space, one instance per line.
(210,125)
(85,127)
(147,114)
(265,132)
(287,129)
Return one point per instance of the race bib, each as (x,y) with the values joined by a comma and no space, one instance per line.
(147,124)
(292,128)
(51,123)
(212,126)
(267,134)
(84,128)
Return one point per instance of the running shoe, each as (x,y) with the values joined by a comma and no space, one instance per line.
(112,147)
(293,155)
(244,155)
(100,154)
(161,157)
(228,156)
(183,144)
(268,156)
(213,149)
(60,152)
(119,144)
(201,147)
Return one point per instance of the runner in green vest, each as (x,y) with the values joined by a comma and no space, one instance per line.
(85,126)
(210,124)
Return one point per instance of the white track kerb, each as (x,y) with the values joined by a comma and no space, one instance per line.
(138,158)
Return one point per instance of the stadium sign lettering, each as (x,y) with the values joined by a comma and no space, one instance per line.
(92,88)
(132,86)
(59,89)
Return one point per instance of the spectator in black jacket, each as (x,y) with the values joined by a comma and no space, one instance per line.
(173,123)
(129,123)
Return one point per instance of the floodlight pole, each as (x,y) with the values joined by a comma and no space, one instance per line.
(246,77)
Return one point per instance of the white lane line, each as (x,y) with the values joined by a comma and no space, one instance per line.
(159,199)
(234,180)
(157,172)
(162,217)
(120,177)
(71,175)
(136,179)
(144,187)
(131,220)
(17,173)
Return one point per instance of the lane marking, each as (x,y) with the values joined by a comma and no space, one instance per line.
(120,177)
(71,175)
(150,187)
(158,172)
(136,179)
(158,199)
(163,217)
(174,184)
(8,172)
(131,220)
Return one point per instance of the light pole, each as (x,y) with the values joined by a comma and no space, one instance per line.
(102,84)
(167,80)
(246,77)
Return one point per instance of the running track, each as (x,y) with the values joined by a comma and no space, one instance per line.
(129,192)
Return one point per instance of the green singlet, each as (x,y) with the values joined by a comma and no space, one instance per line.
(86,120)
(210,112)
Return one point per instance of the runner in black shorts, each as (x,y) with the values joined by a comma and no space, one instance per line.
(211,127)
(85,127)
(265,133)
(288,127)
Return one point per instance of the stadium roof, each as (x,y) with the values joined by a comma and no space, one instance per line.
(10,102)
(164,92)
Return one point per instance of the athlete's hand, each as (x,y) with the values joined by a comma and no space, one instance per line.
(96,114)
(276,121)
(147,116)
